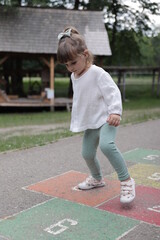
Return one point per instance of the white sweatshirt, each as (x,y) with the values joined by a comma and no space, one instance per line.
(95,97)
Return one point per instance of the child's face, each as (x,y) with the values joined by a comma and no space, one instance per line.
(77,66)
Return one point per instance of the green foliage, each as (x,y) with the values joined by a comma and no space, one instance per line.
(95,5)
(132,49)
(120,16)
(156,48)
(127,50)
(147,52)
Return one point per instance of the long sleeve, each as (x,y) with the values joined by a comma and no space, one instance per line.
(95,97)
(110,93)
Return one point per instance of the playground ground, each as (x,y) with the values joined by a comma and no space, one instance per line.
(39,199)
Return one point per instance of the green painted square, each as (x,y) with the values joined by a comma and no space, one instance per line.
(59,219)
(147,156)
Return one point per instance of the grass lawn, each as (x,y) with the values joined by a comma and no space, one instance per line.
(25,119)
(139,106)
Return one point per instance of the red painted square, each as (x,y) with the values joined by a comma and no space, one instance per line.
(145,207)
(62,186)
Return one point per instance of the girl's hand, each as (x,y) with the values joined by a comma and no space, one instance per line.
(114,120)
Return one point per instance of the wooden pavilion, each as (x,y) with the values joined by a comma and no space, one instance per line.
(31,33)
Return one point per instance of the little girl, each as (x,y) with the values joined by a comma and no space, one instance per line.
(96,110)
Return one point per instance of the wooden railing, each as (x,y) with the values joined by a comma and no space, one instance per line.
(122,71)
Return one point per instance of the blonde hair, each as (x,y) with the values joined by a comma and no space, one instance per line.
(69,47)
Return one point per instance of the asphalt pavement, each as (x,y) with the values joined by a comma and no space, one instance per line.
(22,168)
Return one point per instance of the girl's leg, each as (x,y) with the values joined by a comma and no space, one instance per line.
(106,137)
(108,147)
(89,149)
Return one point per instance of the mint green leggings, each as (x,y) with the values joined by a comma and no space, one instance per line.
(104,137)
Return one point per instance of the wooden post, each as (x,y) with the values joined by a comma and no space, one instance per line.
(124,87)
(45,61)
(158,84)
(52,82)
(119,78)
(153,81)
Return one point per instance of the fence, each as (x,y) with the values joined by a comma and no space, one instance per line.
(121,73)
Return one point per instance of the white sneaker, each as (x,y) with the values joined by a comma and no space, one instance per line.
(90,183)
(127,191)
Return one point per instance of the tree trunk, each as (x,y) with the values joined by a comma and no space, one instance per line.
(113,39)
(76,5)
(19,3)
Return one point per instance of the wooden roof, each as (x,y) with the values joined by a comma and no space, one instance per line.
(35,30)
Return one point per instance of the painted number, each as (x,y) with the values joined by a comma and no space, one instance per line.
(61,225)
(155,176)
(151,157)
(155,209)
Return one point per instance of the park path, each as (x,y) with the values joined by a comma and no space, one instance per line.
(7,132)
(31,129)
(38,190)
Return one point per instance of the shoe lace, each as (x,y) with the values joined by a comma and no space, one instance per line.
(90,180)
(126,188)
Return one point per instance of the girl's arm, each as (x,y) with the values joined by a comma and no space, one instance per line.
(112,98)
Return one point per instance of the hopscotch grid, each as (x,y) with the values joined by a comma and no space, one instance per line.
(39,204)
(96,207)
(118,214)
(106,201)
(25,188)
(26,210)
(123,216)
(128,217)
(149,161)
(132,229)
(132,150)
(38,192)
(74,171)
(46,179)
(126,233)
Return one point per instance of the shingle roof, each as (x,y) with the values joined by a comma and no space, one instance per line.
(35,30)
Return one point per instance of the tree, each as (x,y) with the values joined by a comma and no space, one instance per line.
(127,48)
(120,17)
(156,46)
(124,23)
